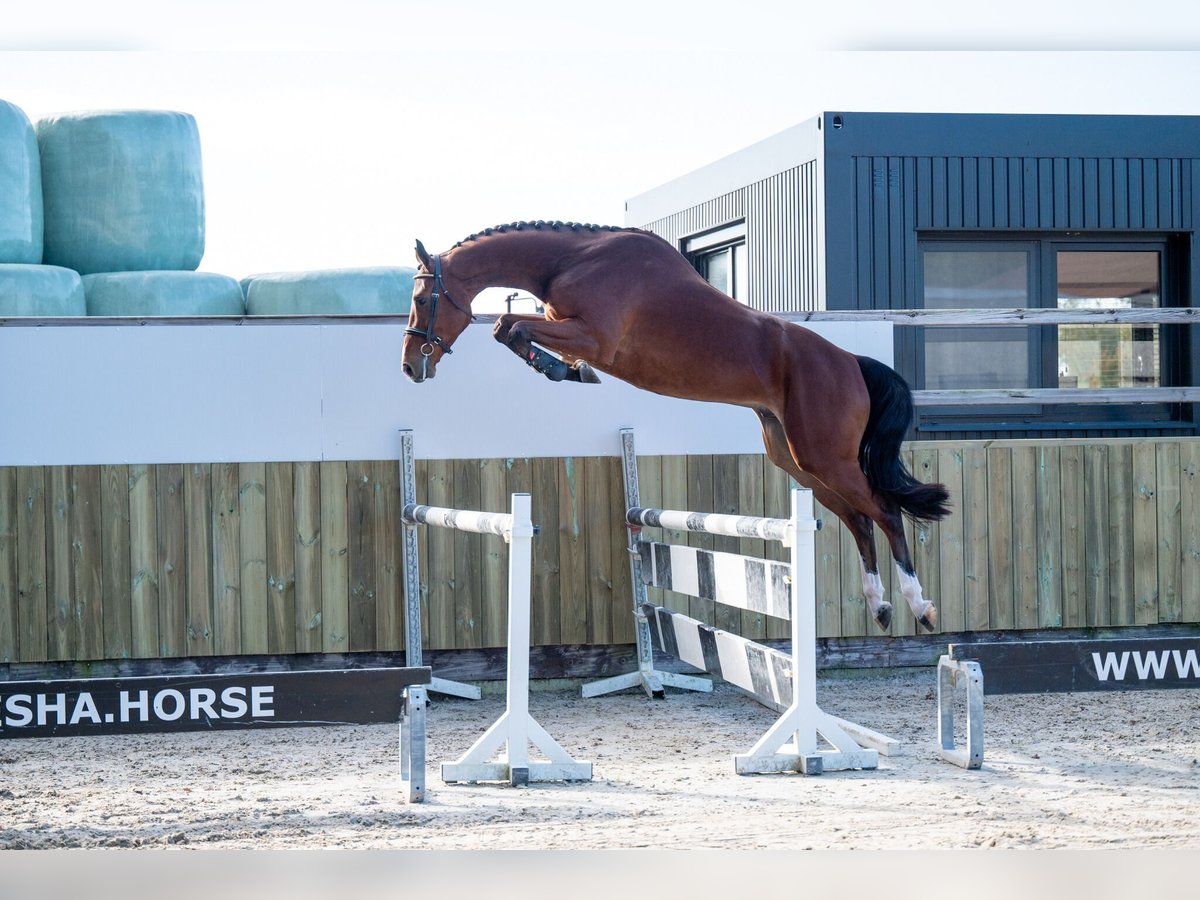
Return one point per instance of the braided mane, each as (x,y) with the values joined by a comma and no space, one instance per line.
(541,225)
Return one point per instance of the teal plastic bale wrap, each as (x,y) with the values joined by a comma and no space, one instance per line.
(27,290)
(367,291)
(20,189)
(122,191)
(162,294)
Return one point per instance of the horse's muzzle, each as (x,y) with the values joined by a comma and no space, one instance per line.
(421,371)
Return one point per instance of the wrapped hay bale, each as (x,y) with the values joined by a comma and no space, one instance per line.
(27,290)
(384,290)
(122,191)
(162,294)
(20,189)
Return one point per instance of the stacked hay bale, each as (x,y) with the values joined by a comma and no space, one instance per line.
(366,291)
(124,207)
(117,197)
(27,288)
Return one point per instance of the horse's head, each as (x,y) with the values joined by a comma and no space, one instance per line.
(435,320)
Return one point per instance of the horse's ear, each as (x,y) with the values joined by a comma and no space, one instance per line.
(423,257)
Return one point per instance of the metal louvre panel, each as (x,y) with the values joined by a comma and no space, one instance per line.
(781,216)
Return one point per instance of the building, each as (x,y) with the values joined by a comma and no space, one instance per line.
(899,211)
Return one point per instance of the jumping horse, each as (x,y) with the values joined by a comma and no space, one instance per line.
(625,302)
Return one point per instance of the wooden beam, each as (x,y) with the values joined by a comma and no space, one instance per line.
(1073,396)
(989,317)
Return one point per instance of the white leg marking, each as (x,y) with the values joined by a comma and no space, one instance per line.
(911,589)
(872,589)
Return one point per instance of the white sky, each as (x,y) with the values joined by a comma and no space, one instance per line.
(333,134)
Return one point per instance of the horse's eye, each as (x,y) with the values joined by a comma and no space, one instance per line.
(420,301)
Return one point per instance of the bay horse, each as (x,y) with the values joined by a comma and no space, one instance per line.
(625,302)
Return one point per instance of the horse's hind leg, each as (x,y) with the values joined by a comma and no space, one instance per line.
(859,524)
(834,462)
(923,611)
(851,483)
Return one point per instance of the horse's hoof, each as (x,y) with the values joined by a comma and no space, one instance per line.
(929,620)
(584,374)
(883,618)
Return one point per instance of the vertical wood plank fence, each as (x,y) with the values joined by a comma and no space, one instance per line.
(147,561)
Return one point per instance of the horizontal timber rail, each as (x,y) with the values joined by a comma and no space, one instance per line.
(1026,317)
(710,523)
(1015,317)
(1025,396)
(923,317)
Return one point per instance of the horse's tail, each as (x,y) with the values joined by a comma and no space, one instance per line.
(879,450)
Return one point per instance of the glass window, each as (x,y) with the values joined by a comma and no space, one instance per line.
(978,358)
(717,269)
(1045,272)
(1108,356)
(719,255)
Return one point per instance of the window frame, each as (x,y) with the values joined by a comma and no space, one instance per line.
(697,247)
(1045,246)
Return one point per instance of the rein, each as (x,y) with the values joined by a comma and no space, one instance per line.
(427,334)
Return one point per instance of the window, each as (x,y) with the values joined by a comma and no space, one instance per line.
(1050,272)
(1108,356)
(720,257)
(977,278)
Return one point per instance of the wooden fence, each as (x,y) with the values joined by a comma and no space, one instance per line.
(116,562)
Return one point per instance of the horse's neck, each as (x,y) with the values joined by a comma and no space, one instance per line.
(507,261)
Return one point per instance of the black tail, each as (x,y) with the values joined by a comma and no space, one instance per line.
(879,450)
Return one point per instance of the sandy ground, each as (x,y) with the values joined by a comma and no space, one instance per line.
(1066,771)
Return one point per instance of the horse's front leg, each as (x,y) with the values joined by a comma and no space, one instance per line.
(520,331)
(506,321)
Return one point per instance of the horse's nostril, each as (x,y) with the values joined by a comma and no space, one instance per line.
(407,369)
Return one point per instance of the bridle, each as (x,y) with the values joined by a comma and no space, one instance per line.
(428,335)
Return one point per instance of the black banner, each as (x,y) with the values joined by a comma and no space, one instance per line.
(204,702)
(1033,667)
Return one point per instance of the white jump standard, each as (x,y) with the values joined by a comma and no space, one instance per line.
(502,752)
(781,681)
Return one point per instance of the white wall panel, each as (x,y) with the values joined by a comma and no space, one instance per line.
(94,394)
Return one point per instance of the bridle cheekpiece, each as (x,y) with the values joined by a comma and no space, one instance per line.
(427,334)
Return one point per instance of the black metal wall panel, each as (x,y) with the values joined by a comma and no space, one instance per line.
(895,198)
(782,225)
